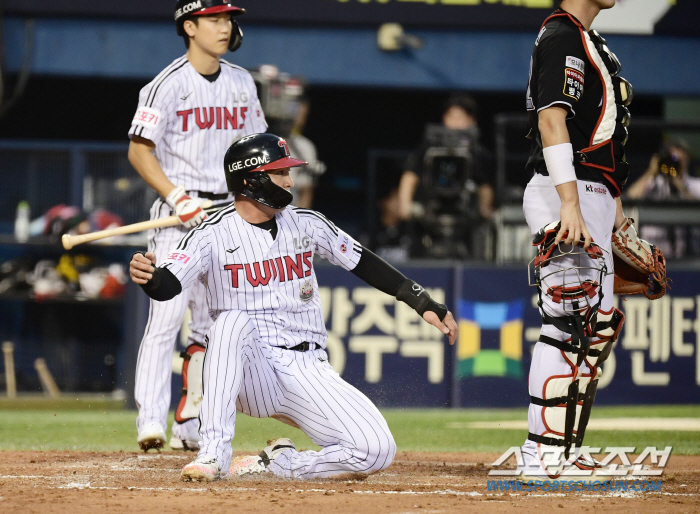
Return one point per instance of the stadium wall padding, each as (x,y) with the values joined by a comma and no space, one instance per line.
(451,59)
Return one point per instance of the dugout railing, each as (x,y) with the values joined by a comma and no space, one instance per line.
(88,175)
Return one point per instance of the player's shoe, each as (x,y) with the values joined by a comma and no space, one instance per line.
(587,463)
(150,436)
(187,445)
(252,464)
(185,436)
(202,469)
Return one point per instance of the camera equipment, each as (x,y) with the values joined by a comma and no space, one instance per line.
(280,96)
(449,190)
(669,163)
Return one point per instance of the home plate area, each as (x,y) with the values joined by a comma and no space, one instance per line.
(81,482)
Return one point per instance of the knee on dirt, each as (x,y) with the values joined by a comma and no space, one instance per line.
(378,451)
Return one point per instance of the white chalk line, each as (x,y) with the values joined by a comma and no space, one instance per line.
(444,492)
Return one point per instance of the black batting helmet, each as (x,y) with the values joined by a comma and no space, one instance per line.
(248,159)
(185,9)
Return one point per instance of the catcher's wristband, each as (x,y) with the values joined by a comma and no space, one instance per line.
(560,163)
(416,297)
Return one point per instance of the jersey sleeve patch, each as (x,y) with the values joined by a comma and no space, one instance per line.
(179,258)
(573,83)
(344,245)
(575,63)
(147,117)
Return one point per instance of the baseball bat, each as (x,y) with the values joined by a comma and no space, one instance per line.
(46,378)
(8,351)
(69,241)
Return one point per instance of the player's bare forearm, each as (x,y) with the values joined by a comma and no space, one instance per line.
(619,213)
(552,127)
(145,163)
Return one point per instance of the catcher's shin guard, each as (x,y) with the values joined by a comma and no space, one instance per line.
(191,400)
(588,399)
(561,408)
(570,419)
(607,330)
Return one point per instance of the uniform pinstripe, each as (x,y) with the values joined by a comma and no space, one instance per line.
(192,122)
(263,296)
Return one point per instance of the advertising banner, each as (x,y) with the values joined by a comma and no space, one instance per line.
(382,346)
(656,358)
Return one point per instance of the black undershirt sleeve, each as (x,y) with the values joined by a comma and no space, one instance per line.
(378,273)
(162,286)
(383,276)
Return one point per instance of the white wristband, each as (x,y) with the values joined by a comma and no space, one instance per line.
(174,196)
(560,163)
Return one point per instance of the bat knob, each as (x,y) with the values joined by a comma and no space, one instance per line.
(65,240)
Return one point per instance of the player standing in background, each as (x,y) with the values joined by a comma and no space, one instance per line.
(266,351)
(578,113)
(186,119)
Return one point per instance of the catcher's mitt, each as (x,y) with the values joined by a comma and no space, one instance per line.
(640,267)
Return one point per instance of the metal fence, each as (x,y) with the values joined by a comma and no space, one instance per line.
(86,175)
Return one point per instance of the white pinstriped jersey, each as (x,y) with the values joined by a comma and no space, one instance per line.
(273,281)
(193,121)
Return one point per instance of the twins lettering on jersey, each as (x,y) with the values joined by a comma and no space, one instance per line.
(205,117)
(260,273)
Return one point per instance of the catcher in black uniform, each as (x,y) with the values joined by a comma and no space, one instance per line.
(578,105)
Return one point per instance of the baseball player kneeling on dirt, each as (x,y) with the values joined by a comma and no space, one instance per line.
(266,349)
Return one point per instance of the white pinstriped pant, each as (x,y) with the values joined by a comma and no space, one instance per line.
(154,364)
(243,373)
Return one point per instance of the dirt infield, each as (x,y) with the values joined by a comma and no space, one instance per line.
(81,482)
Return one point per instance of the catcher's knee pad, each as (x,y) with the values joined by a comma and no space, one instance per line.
(607,330)
(570,283)
(191,399)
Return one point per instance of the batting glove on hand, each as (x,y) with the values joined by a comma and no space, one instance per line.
(188,210)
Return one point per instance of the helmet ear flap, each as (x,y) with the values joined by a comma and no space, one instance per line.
(236,36)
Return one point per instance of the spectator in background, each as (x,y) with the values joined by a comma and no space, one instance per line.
(459,113)
(305,177)
(667,178)
(449,206)
(391,241)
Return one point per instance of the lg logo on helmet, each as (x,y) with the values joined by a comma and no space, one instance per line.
(283,145)
(192,6)
(252,162)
